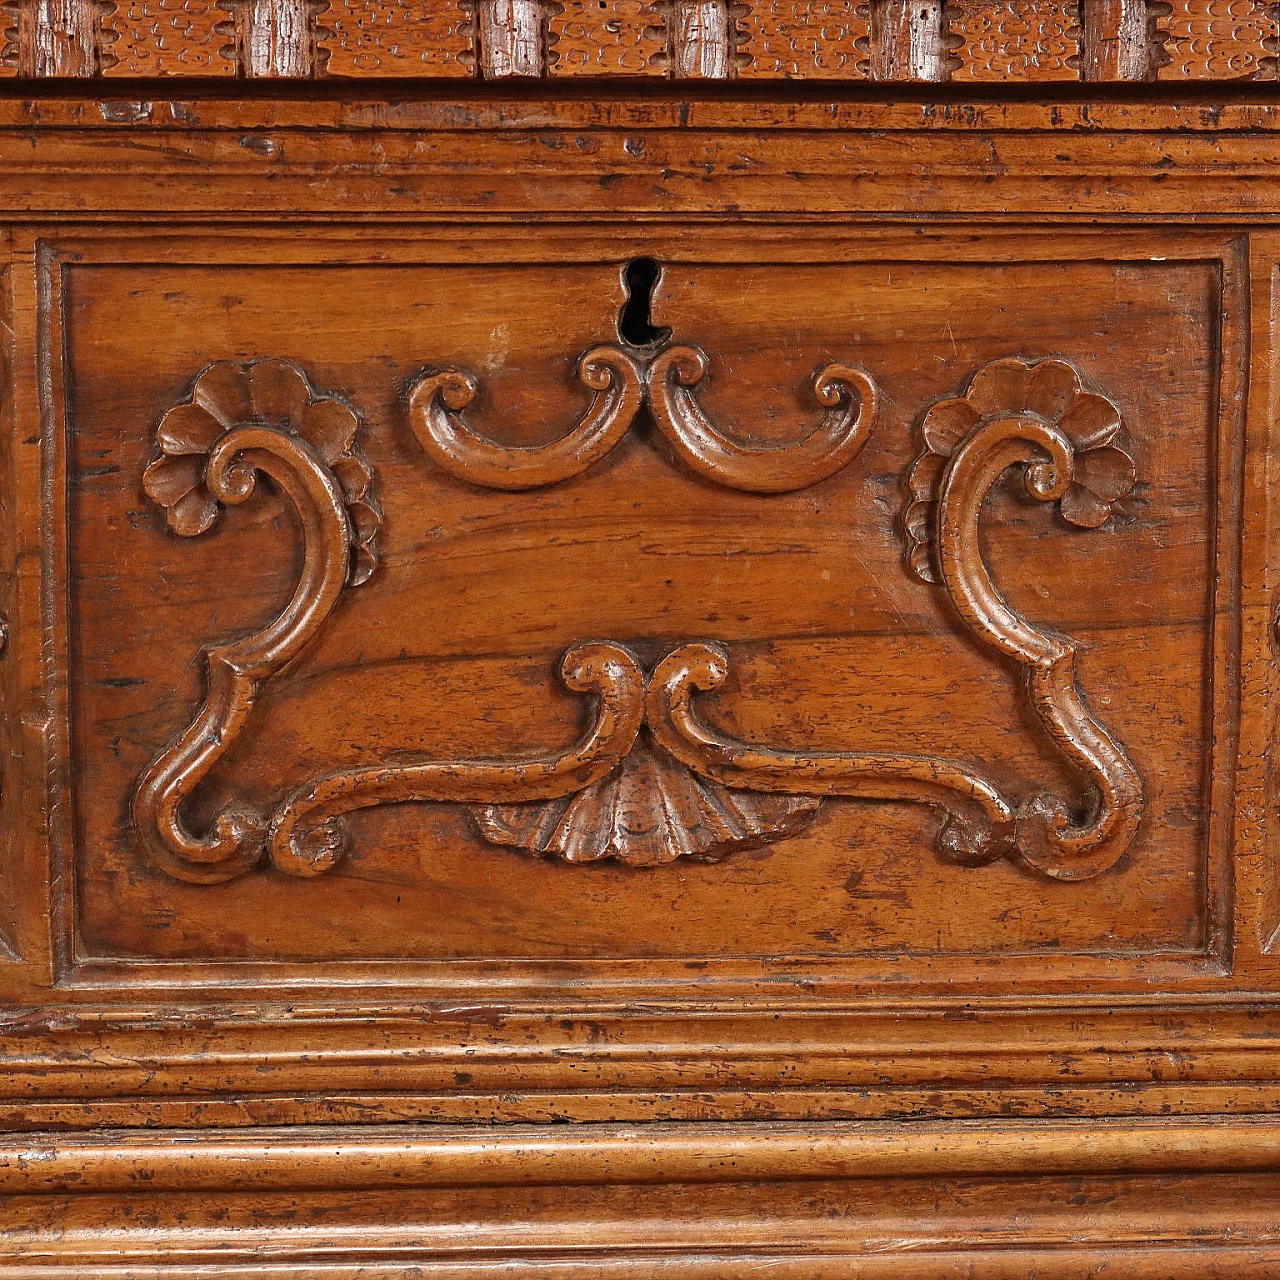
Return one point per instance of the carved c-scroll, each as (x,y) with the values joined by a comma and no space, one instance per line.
(1068,442)
(846,391)
(306,833)
(645,797)
(979,824)
(242,421)
(437,398)
(1036,416)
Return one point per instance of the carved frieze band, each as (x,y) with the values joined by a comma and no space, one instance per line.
(975,41)
(649,780)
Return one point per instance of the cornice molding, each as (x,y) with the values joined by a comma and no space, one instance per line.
(969,42)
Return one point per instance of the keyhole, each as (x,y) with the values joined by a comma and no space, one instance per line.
(634,324)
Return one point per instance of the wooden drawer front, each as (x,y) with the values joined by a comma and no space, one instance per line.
(957,700)
(542,625)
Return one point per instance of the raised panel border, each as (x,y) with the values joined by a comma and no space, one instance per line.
(1207,968)
(243,1045)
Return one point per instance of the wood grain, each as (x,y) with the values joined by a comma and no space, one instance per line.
(807,1205)
(665,678)
(702,38)
(511,37)
(58,38)
(909,41)
(1120,40)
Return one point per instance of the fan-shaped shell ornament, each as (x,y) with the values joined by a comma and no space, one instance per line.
(650,810)
(270,393)
(1049,391)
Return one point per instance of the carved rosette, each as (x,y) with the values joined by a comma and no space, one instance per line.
(194,477)
(648,780)
(1047,392)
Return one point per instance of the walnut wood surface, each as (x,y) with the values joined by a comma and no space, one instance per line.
(1027,41)
(928,1200)
(742,620)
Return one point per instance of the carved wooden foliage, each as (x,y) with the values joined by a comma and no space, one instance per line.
(1067,444)
(650,810)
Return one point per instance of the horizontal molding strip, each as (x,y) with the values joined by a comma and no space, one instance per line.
(922,41)
(403,1157)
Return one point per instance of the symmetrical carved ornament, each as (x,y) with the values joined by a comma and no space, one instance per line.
(649,780)
(1014,42)
(846,392)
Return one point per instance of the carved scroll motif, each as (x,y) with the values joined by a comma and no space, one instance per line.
(306,832)
(242,421)
(978,826)
(847,394)
(437,398)
(649,780)
(1068,446)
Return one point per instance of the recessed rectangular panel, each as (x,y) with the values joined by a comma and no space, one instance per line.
(852,609)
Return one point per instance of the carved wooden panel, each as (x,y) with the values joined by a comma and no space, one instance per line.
(819,39)
(751,612)
(168,38)
(618,37)
(1227,40)
(405,740)
(1019,40)
(395,38)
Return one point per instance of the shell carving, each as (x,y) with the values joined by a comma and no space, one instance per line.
(650,810)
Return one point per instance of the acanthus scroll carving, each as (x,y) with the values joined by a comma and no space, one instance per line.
(649,780)
(1067,444)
